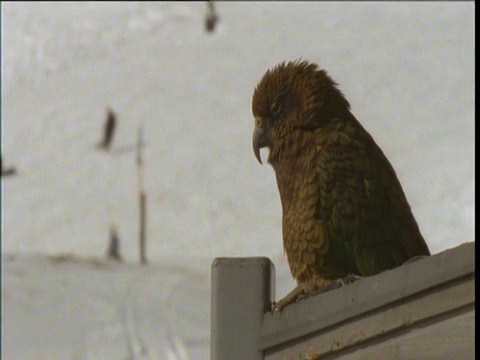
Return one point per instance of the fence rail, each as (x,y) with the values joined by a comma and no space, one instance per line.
(424,309)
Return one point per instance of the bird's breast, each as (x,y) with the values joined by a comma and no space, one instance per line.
(294,163)
(299,193)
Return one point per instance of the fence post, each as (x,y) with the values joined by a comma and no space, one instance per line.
(242,291)
(142,196)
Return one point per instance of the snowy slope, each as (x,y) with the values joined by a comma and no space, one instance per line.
(87,309)
(407,70)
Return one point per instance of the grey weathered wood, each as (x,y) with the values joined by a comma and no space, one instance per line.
(242,291)
(434,296)
(421,310)
(447,338)
(406,314)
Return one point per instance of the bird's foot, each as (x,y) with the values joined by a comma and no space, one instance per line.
(300,292)
(291,297)
(338,283)
(349,279)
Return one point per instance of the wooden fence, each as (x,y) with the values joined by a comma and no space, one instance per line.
(421,310)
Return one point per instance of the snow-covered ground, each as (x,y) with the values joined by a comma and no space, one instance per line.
(406,68)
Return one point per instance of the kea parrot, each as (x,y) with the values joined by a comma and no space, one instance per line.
(344,212)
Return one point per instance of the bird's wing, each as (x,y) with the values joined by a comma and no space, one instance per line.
(361,202)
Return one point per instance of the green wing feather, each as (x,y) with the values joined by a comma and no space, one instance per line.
(369,222)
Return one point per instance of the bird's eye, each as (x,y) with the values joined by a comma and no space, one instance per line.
(275,108)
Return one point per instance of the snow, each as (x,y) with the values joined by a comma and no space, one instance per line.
(407,70)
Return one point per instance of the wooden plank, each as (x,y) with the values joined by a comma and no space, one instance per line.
(427,306)
(325,310)
(446,338)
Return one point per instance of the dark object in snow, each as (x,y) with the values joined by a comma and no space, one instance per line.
(211,18)
(344,209)
(109,130)
(114,246)
(7,171)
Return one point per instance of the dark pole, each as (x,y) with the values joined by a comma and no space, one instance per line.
(142,195)
(211,18)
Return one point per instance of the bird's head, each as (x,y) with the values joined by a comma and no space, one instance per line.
(293,96)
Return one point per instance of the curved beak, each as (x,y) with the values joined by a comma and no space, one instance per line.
(258,140)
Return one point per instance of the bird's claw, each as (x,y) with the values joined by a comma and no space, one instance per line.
(291,297)
(299,293)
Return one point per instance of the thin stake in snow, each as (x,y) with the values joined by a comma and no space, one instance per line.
(141,194)
(113,251)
